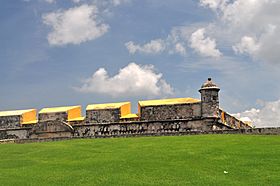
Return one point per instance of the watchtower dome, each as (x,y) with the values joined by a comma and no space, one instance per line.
(209,99)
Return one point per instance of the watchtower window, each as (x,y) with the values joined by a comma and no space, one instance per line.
(215,98)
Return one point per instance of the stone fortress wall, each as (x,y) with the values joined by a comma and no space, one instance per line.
(154,117)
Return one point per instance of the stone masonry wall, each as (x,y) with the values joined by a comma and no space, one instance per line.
(210,103)
(143,127)
(255,131)
(160,128)
(14,133)
(170,112)
(7,122)
(55,129)
(80,122)
(103,116)
(62,116)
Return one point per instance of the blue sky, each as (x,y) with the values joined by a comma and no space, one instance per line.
(68,52)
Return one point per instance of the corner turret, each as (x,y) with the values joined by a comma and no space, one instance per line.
(209,99)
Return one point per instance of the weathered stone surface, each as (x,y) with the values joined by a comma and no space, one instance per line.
(209,103)
(14,133)
(78,122)
(144,127)
(170,112)
(61,116)
(10,122)
(103,116)
(209,99)
(57,130)
(52,129)
(255,131)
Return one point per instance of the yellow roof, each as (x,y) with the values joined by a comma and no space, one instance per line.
(129,116)
(57,109)
(106,106)
(77,119)
(172,101)
(14,112)
(30,122)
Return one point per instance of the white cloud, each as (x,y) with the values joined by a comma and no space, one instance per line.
(106,5)
(158,46)
(247,45)
(213,4)
(204,45)
(177,41)
(132,80)
(249,27)
(267,116)
(50,1)
(153,47)
(239,19)
(104,2)
(179,48)
(174,43)
(119,2)
(76,1)
(75,25)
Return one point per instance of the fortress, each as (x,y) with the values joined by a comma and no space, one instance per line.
(154,117)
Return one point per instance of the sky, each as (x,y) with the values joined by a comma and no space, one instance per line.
(80,52)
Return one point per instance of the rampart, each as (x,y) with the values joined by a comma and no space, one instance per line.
(154,117)
(14,139)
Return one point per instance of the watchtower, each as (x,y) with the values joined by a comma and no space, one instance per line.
(209,99)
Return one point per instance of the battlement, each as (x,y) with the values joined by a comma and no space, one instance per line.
(161,109)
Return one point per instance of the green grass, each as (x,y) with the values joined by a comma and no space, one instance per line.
(174,160)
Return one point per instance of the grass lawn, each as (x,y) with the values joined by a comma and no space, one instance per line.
(172,160)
